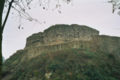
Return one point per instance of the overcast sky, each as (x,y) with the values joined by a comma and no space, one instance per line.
(94,13)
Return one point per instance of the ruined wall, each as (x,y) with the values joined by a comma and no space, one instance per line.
(61,37)
(58,34)
(104,44)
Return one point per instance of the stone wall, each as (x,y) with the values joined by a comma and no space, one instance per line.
(58,34)
(61,37)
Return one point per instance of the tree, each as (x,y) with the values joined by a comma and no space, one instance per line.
(115,5)
(2,2)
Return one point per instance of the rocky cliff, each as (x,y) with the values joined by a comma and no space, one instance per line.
(61,38)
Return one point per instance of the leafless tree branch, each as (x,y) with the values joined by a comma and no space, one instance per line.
(7,14)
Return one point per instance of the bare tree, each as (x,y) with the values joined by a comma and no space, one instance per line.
(2,2)
(115,6)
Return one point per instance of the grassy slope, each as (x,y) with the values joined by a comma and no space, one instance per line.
(72,64)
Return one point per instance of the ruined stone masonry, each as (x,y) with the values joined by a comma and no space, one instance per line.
(60,37)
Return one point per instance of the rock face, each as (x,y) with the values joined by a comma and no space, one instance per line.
(59,38)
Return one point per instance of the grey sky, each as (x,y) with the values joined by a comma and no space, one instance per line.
(94,13)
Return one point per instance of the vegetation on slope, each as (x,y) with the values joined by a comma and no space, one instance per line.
(69,64)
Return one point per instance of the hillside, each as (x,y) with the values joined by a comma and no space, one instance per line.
(66,52)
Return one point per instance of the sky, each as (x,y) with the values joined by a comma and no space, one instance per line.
(94,13)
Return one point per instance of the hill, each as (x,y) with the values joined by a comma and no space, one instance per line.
(66,52)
